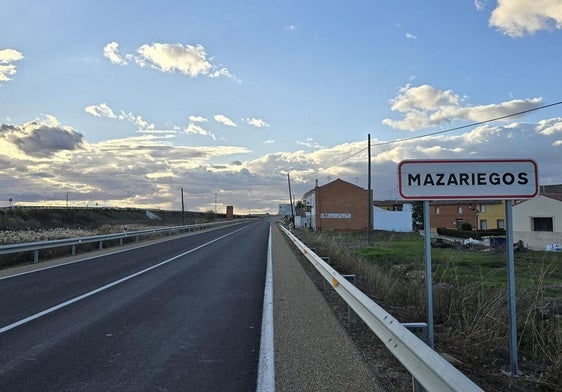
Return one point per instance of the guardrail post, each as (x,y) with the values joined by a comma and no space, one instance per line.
(73,249)
(351,316)
(121,241)
(420,330)
(36,256)
(101,245)
(327,260)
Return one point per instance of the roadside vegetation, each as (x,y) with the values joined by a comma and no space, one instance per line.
(22,225)
(470,301)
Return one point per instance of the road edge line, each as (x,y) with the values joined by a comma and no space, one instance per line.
(266,367)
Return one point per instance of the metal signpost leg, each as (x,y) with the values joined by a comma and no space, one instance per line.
(428,273)
(511,288)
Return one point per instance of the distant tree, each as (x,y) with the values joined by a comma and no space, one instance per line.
(210,216)
(299,208)
(417,213)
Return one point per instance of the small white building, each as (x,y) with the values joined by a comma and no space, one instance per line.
(400,221)
(538,222)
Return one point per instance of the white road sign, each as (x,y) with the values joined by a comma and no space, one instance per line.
(468,179)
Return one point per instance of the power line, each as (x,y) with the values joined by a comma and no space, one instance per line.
(468,125)
(441,132)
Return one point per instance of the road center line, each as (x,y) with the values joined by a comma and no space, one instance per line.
(107,286)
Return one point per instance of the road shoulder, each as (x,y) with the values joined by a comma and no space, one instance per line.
(312,351)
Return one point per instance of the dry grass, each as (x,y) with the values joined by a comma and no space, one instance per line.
(470,314)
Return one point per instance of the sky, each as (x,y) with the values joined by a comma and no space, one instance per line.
(126,103)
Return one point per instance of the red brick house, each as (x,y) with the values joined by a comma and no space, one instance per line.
(339,206)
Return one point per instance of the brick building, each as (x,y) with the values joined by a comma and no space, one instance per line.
(338,205)
(452,214)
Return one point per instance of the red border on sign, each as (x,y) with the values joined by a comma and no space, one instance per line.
(473,197)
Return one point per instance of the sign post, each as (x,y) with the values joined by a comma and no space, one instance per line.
(492,179)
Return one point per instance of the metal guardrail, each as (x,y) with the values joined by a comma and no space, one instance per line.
(73,242)
(430,369)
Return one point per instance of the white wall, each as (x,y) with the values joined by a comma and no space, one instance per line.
(540,206)
(400,221)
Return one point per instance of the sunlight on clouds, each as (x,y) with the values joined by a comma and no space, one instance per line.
(550,127)
(256,122)
(103,110)
(224,120)
(425,106)
(193,129)
(517,18)
(7,57)
(159,175)
(111,52)
(190,60)
(197,119)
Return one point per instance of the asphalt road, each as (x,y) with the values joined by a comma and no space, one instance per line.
(182,315)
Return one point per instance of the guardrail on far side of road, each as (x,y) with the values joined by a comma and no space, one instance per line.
(73,242)
(430,369)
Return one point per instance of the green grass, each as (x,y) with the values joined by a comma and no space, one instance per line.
(461,266)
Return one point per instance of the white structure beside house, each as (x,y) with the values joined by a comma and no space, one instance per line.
(538,222)
(400,221)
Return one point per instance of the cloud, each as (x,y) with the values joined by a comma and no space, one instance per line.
(111,52)
(256,122)
(550,127)
(224,120)
(193,129)
(40,138)
(480,4)
(269,142)
(42,160)
(190,60)
(411,36)
(7,69)
(309,143)
(517,18)
(197,119)
(291,28)
(426,106)
(103,110)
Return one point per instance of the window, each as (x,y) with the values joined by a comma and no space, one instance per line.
(542,224)
(437,211)
(483,224)
(459,210)
(482,207)
(501,224)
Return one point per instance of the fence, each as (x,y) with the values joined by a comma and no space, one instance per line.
(35,247)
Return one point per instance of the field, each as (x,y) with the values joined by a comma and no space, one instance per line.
(470,301)
(20,225)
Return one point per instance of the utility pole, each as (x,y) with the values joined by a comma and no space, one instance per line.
(370,206)
(66,199)
(291,201)
(182,209)
(216,211)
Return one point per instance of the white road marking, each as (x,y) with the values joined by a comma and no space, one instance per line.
(266,368)
(90,293)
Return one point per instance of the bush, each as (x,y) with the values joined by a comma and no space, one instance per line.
(467,226)
(474,234)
